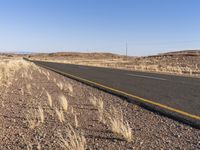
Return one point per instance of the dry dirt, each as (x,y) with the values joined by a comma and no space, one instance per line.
(27,91)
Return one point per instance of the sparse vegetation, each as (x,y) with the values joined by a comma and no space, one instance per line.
(72,110)
(70,88)
(38,110)
(93,100)
(60,115)
(28,88)
(72,140)
(35,117)
(49,99)
(41,114)
(98,103)
(75,120)
(60,85)
(119,126)
(63,102)
(32,119)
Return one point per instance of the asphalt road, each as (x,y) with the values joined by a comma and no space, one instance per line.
(175,96)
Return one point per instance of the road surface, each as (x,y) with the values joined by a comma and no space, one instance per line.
(174,96)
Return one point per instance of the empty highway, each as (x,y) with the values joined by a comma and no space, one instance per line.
(174,96)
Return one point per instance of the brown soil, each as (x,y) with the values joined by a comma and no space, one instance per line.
(150,130)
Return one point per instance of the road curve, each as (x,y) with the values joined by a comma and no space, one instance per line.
(174,96)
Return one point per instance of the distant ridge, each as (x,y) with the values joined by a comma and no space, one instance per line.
(23,52)
(182,53)
(78,54)
(18,53)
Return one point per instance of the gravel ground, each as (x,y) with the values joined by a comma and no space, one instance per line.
(28,91)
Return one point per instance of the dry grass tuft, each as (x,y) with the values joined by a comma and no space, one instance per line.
(2,103)
(22,91)
(28,87)
(98,103)
(60,85)
(75,120)
(32,119)
(49,99)
(60,115)
(8,67)
(48,74)
(93,100)
(39,70)
(30,77)
(48,78)
(70,88)
(35,117)
(100,108)
(41,114)
(119,126)
(63,102)
(72,140)
(54,80)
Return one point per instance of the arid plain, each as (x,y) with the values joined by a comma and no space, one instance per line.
(41,109)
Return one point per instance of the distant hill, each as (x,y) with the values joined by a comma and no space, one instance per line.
(182,53)
(22,52)
(100,55)
(77,54)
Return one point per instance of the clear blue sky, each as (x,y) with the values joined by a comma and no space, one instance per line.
(149,26)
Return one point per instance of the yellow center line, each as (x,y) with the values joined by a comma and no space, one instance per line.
(129,95)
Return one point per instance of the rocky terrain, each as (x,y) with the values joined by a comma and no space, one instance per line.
(40,109)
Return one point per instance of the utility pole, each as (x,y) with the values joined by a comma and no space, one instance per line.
(126,49)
